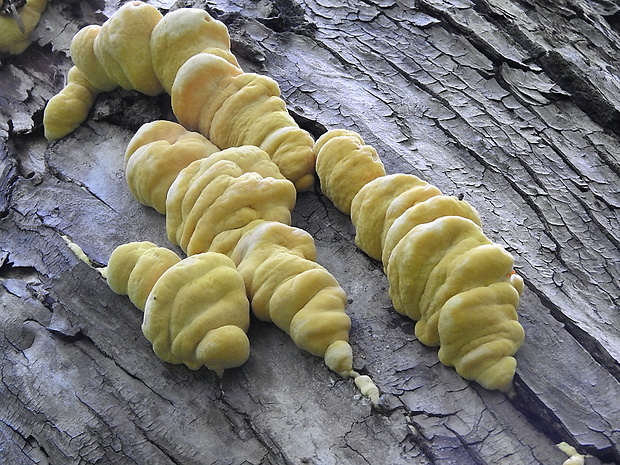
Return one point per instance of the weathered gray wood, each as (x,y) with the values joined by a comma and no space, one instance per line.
(515,105)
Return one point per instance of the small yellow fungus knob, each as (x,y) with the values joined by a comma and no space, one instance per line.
(575,458)
(66,110)
(368,388)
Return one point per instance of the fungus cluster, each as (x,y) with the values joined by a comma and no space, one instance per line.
(196,310)
(185,53)
(443,272)
(236,203)
(226,178)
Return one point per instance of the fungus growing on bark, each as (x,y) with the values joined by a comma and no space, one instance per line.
(444,273)
(196,311)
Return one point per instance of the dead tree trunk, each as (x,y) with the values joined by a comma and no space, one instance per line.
(514,105)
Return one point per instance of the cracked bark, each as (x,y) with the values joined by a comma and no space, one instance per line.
(514,105)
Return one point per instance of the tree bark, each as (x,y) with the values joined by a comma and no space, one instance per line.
(514,105)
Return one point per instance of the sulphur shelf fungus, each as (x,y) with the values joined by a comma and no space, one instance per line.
(18,19)
(232,108)
(105,57)
(135,49)
(344,164)
(237,202)
(212,200)
(155,156)
(443,272)
(196,311)
(185,53)
(287,287)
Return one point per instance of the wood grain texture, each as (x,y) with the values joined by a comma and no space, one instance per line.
(513,104)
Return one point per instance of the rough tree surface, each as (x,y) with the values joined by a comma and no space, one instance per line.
(514,105)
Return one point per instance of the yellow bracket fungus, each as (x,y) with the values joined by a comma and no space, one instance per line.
(187,54)
(196,310)
(286,286)
(237,202)
(215,196)
(233,108)
(155,156)
(180,35)
(444,273)
(17,24)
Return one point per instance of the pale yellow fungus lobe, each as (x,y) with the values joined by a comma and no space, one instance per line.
(180,35)
(423,205)
(208,199)
(156,154)
(198,314)
(233,108)
(339,358)
(196,311)
(14,41)
(77,251)
(415,264)
(105,57)
(367,387)
(574,457)
(480,334)
(344,164)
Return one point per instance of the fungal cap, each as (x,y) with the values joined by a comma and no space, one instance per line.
(123,49)
(418,253)
(423,204)
(122,262)
(339,358)
(222,348)
(482,348)
(148,269)
(198,81)
(83,56)
(152,168)
(182,34)
(370,205)
(191,299)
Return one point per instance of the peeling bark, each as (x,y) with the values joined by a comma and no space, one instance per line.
(514,105)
